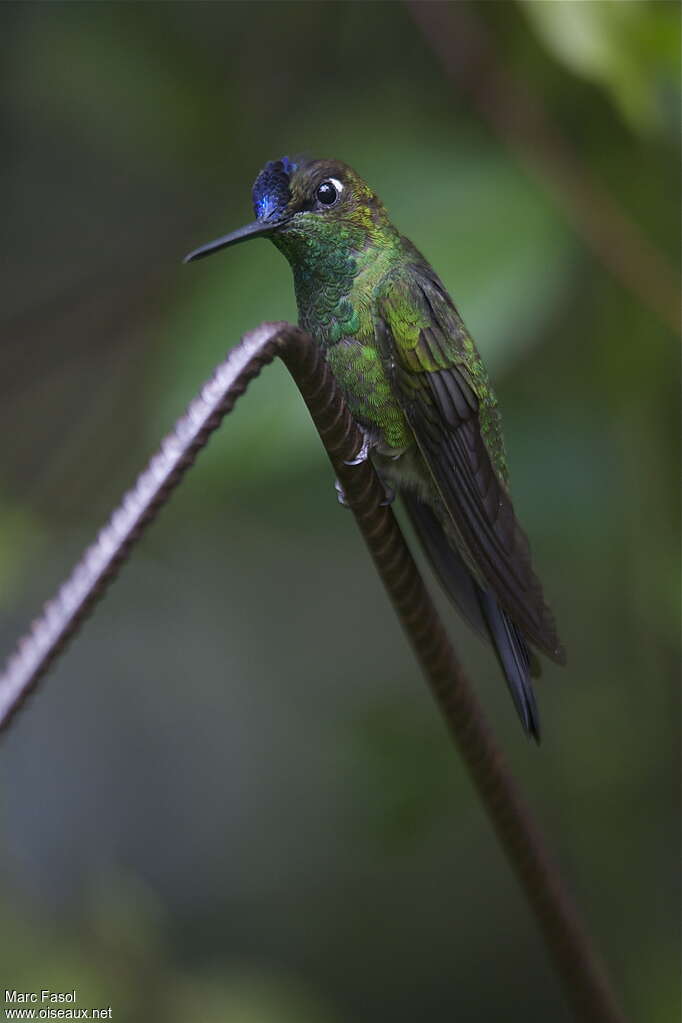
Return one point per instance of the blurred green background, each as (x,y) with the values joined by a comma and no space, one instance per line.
(233,798)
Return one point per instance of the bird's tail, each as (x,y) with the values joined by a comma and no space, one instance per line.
(481,611)
(514,657)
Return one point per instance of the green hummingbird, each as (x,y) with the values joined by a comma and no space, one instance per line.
(417,387)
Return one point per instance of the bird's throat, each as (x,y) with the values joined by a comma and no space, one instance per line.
(334,284)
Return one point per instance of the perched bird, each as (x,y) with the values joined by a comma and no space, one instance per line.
(416,384)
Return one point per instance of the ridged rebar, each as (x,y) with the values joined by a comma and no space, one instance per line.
(584,980)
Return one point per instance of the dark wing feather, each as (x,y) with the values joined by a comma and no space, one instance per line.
(436,374)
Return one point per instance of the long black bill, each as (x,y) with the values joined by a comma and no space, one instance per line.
(254,230)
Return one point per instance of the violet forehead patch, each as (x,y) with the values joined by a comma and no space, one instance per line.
(271,192)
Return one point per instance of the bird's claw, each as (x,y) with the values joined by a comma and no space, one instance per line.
(362,455)
(389,495)
(341,494)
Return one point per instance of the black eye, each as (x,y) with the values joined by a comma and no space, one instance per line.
(327,193)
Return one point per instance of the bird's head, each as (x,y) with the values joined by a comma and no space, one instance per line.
(309,208)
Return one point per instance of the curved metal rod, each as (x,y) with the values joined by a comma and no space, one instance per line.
(584,981)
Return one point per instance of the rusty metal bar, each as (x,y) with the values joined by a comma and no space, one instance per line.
(584,980)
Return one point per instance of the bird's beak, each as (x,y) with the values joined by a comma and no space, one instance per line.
(255,230)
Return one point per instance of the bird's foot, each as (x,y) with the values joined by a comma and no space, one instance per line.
(389,495)
(362,455)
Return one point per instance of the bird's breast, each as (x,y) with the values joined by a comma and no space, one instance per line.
(362,376)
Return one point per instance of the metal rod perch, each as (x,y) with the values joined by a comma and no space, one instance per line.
(584,980)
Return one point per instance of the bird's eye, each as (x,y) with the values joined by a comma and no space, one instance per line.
(327,193)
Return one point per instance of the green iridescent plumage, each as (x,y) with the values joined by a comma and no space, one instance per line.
(415,382)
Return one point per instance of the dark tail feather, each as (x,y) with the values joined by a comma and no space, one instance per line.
(514,656)
(455,577)
(481,611)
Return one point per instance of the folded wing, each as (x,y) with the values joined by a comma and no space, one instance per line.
(444,392)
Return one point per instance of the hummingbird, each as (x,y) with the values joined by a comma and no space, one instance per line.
(416,385)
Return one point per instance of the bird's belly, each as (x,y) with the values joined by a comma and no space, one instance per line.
(405,471)
(362,377)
